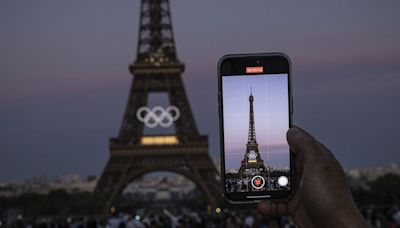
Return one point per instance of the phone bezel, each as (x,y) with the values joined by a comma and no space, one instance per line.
(273,63)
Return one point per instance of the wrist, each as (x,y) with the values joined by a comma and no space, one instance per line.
(353,218)
(348,216)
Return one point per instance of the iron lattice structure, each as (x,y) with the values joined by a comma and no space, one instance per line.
(157,69)
(252,162)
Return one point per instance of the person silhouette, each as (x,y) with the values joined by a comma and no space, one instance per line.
(321,196)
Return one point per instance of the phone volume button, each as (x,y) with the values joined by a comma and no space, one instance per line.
(291,105)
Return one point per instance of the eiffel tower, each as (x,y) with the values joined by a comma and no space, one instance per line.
(252,162)
(132,153)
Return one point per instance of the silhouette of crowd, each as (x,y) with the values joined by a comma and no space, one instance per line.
(376,216)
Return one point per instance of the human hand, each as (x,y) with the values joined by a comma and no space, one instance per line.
(321,196)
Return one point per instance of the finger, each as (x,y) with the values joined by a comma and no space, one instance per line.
(299,139)
(298,158)
(323,150)
(296,179)
(306,147)
(295,196)
(335,162)
(271,209)
(330,154)
(301,217)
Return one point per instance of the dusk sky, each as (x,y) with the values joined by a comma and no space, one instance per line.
(271,117)
(64,78)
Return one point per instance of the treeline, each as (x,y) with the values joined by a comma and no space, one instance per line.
(55,203)
(61,203)
(385,190)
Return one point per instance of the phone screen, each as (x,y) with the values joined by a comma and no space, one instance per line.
(256,117)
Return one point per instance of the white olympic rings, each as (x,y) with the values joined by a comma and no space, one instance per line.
(252,156)
(158,116)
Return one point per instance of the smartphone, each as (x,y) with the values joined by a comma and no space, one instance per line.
(255,111)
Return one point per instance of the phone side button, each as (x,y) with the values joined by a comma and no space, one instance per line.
(291,105)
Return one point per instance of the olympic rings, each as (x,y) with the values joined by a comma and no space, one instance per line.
(158,116)
(252,156)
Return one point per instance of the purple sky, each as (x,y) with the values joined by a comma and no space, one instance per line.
(64,77)
(270,117)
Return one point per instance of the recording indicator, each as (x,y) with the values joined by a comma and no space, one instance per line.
(253,70)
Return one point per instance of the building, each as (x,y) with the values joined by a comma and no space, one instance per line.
(252,164)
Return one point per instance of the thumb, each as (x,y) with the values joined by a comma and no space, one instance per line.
(304,145)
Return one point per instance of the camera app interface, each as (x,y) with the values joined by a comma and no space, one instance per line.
(256,118)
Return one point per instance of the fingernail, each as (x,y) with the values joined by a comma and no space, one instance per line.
(293,132)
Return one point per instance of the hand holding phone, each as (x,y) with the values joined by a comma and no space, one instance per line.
(255,108)
(324,198)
